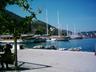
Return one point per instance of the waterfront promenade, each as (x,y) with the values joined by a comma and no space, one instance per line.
(38,60)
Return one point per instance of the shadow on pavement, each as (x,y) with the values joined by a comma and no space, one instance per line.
(25,66)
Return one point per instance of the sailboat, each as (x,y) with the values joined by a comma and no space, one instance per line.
(67,37)
(75,35)
(47,22)
(47,31)
(60,37)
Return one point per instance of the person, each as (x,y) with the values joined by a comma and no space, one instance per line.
(6,56)
(7,49)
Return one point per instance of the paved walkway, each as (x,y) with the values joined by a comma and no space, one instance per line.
(35,60)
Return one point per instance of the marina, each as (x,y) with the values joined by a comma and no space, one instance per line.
(61,39)
(88,45)
(59,42)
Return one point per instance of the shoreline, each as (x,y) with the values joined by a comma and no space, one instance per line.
(59,50)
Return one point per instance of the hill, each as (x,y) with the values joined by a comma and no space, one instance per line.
(36,27)
(39,27)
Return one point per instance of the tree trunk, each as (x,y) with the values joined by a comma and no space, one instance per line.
(15,46)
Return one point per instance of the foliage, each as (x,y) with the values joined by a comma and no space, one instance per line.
(8,23)
(21,3)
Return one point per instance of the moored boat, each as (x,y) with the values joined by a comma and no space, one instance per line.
(9,39)
(63,39)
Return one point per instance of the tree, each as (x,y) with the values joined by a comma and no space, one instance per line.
(10,25)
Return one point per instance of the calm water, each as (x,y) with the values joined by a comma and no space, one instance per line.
(86,44)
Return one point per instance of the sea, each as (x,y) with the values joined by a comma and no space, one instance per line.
(88,45)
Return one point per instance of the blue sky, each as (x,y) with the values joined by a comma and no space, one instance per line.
(78,13)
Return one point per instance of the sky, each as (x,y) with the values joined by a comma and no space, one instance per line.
(78,14)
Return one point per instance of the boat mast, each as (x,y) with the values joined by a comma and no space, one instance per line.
(46,22)
(58,23)
(74,30)
(74,33)
(67,30)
